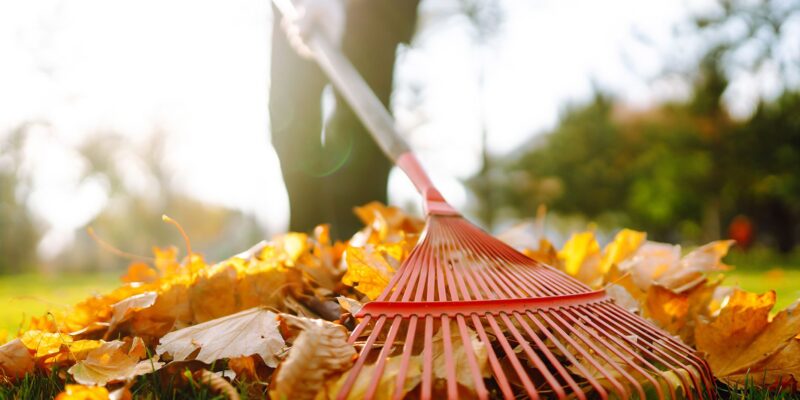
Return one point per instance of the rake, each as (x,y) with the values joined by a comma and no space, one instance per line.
(542,333)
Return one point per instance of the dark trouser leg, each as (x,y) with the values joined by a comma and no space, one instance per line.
(294,105)
(374,30)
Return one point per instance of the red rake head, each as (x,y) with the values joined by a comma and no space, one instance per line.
(468,316)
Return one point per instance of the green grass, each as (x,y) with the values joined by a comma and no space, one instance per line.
(26,295)
(150,386)
(785,282)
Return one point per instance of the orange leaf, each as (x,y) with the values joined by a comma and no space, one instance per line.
(81,392)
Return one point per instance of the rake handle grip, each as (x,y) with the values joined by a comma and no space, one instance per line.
(376,118)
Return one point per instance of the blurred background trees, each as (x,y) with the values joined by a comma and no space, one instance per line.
(682,171)
(136,186)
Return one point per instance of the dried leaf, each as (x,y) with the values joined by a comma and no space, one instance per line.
(622,297)
(367,271)
(386,383)
(546,253)
(140,272)
(742,336)
(81,392)
(781,370)
(581,258)
(211,296)
(463,372)
(112,362)
(16,360)
(125,309)
(319,352)
(45,343)
(624,245)
(253,331)
(216,383)
(349,305)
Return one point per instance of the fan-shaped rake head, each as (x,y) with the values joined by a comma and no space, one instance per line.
(468,316)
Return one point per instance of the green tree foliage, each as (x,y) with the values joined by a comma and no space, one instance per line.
(680,171)
(674,171)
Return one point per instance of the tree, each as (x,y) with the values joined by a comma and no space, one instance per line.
(19,231)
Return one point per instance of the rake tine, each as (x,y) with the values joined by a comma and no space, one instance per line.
(533,357)
(406,358)
(427,359)
(502,381)
(618,342)
(593,345)
(383,356)
(512,357)
(618,386)
(450,368)
(480,387)
(550,357)
(617,352)
(362,358)
(589,377)
(631,323)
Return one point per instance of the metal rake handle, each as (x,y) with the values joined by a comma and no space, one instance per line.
(366,105)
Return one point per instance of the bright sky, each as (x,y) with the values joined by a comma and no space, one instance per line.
(198,69)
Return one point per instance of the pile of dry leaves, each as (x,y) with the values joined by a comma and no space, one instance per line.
(278,315)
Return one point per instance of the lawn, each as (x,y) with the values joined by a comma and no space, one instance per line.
(30,294)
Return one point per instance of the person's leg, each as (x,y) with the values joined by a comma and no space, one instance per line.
(295,119)
(374,30)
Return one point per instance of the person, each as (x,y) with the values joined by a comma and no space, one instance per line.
(329,163)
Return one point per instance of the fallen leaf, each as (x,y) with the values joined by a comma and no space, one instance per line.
(622,297)
(319,352)
(581,258)
(349,305)
(211,296)
(367,271)
(546,253)
(16,360)
(113,361)
(216,383)
(651,262)
(667,308)
(625,244)
(125,309)
(742,336)
(253,331)
(45,343)
(780,370)
(140,272)
(386,383)
(694,266)
(81,392)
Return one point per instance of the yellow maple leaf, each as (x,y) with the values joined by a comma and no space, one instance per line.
(367,271)
(45,343)
(743,336)
(581,258)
